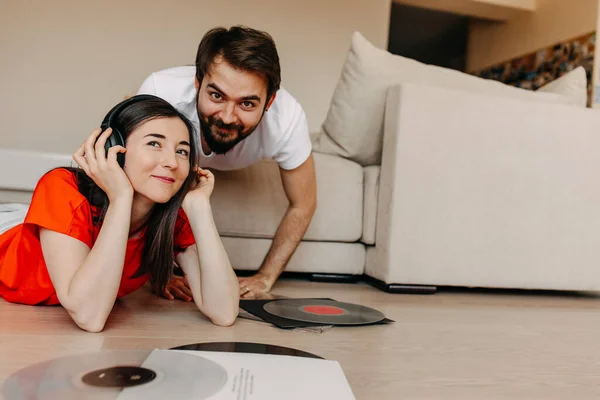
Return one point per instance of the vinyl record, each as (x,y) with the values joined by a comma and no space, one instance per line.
(323,311)
(246,347)
(125,375)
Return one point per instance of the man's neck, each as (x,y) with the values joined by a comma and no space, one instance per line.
(205,149)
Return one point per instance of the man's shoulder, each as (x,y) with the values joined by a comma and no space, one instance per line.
(176,85)
(284,102)
(284,111)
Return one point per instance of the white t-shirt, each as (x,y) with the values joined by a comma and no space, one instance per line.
(282,134)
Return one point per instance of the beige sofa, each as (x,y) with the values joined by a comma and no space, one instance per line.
(484,191)
(426,177)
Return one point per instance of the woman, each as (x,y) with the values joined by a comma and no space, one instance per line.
(100,231)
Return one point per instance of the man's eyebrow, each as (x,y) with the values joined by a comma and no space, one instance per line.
(245,98)
(214,86)
(161,136)
(253,97)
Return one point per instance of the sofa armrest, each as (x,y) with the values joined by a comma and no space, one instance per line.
(480,190)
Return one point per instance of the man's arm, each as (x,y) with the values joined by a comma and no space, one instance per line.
(300,187)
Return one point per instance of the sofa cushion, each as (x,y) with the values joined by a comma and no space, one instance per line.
(572,85)
(312,257)
(353,127)
(371,192)
(251,202)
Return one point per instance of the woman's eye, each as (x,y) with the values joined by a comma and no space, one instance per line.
(183,152)
(154,143)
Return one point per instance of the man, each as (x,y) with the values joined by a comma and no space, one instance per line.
(233,96)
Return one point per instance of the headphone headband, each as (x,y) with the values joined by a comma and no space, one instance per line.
(116,110)
(116,138)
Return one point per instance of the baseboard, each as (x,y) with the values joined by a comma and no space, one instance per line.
(335,278)
(399,288)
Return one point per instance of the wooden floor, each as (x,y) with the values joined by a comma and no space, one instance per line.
(451,345)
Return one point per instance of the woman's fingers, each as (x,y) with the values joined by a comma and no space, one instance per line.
(181,284)
(91,141)
(167,294)
(179,294)
(90,151)
(99,149)
(184,289)
(178,289)
(204,175)
(112,154)
(79,158)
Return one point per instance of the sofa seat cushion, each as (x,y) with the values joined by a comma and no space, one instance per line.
(310,257)
(251,202)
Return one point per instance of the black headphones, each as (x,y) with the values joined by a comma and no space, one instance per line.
(116,137)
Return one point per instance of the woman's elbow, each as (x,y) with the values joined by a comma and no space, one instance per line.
(91,324)
(224,319)
(92,328)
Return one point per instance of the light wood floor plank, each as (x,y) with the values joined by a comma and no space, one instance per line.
(452,345)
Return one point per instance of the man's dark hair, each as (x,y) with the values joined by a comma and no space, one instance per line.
(243,48)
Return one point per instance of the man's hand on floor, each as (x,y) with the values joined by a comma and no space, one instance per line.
(178,288)
(255,286)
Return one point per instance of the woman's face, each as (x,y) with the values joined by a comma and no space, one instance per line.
(157,158)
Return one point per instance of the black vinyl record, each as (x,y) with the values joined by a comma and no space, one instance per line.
(323,311)
(255,307)
(245,347)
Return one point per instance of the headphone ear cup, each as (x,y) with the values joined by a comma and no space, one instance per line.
(115,139)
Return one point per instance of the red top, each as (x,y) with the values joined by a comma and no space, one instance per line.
(57,205)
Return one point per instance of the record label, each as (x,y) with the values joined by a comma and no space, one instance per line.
(119,377)
(323,311)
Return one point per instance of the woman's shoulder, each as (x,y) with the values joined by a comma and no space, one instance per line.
(58,186)
(61,174)
(57,205)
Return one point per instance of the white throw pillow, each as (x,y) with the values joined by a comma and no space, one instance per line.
(572,86)
(353,127)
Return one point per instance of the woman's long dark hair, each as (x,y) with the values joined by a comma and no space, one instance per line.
(158,252)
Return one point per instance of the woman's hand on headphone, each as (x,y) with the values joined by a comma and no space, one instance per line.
(102,168)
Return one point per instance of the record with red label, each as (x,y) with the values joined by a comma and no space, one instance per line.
(323,311)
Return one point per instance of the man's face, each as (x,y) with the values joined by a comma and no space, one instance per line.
(231,103)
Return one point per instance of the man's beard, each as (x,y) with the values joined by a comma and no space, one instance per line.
(219,142)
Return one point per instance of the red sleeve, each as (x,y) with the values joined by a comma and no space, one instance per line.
(57,205)
(184,237)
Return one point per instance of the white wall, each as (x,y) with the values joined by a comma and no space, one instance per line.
(64,63)
(493,10)
(553,21)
